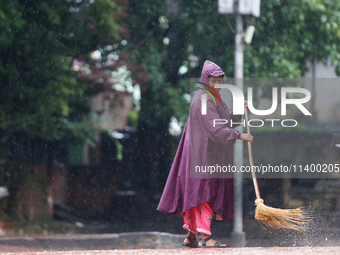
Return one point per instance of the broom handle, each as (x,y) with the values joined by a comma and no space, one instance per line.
(251,162)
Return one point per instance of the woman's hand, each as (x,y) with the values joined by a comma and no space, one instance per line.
(247,137)
(246,105)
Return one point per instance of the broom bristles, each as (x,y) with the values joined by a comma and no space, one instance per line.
(295,219)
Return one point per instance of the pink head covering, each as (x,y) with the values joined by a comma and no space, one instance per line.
(210,69)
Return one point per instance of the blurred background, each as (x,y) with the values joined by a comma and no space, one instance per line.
(94,96)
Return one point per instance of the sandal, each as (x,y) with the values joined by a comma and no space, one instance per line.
(191,244)
(204,245)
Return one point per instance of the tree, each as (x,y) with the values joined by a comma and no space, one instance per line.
(39,90)
(169,34)
(41,97)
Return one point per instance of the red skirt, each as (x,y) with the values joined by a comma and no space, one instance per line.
(198,219)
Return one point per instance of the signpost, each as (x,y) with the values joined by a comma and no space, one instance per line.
(242,7)
(238,8)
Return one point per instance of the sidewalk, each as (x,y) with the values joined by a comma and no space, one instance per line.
(323,235)
(217,251)
(129,242)
(153,240)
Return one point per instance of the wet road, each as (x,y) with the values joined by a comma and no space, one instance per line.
(249,250)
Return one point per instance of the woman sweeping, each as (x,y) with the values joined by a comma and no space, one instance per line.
(197,199)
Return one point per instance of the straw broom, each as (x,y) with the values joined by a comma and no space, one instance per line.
(295,219)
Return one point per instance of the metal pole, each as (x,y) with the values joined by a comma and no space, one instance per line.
(238,236)
(313,88)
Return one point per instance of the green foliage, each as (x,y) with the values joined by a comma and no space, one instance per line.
(287,35)
(119,147)
(147,47)
(133,118)
(39,91)
(40,95)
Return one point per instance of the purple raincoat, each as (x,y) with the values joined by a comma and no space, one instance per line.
(205,145)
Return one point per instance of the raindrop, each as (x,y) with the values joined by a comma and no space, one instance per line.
(79,224)
(166,40)
(108,47)
(95,55)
